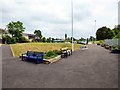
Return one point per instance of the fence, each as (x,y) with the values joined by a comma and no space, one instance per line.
(112,41)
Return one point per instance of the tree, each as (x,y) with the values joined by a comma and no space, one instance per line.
(69,39)
(104,33)
(16,29)
(53,40)
(9,40)
(109,34)
(118,35)
(91,38)
(65,36)
(82,39)
(38,34)
(116,31)
(87,41)
(48,40)
(43,39)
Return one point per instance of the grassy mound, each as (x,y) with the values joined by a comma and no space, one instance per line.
(20,48)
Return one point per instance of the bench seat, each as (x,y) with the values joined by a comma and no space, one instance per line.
(38,56)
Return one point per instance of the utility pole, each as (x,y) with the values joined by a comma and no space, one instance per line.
(72,24)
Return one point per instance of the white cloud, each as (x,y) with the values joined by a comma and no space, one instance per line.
(53,17)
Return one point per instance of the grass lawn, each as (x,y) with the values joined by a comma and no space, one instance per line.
(20,48)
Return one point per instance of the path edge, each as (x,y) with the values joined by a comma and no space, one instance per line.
(12,51)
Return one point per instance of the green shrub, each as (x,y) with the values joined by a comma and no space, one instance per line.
(13,40)
(52,54)
(10,40)
(58,52)
(23,40)
(116,47)
(100,42)
(33,40)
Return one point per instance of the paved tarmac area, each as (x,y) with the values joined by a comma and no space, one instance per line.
(94,67)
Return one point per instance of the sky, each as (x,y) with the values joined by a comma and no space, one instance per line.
(53,17)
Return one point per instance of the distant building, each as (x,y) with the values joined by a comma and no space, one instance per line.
(57,40)
(29,36)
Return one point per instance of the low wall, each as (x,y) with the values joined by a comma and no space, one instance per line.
(112,41)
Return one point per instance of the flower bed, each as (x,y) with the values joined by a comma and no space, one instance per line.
(52,56)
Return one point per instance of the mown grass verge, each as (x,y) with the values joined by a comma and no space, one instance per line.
(20,48)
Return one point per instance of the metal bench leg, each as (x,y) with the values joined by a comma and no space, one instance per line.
(22,58)
(37,61)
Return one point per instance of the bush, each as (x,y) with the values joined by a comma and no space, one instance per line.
(23,40)
(10,40)
(33,40)
(116,47)
(100,42)
(52,54)
(13,40)
(58,52)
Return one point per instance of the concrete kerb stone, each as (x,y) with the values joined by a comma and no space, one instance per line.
(12,51)
(53,59)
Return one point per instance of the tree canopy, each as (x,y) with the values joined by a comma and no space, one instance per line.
(15,28)
(104,33)
(38,34)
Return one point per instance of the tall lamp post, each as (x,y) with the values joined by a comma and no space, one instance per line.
(72,24)
(95,25)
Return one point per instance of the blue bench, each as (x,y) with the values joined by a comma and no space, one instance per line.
(38,56)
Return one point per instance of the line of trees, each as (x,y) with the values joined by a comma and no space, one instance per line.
(15,31)
(107,33)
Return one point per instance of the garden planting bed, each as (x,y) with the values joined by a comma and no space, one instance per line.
(52,60)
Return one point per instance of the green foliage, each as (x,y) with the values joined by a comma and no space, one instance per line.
(43,39)
(116,47)
(51,54)
(49,40)
(116,29)
(23,40)
(118,35)
(65,36)
(104,33)
(9,40)
(82,39)
(15,28)
(57,52)
(13,40)
(33,40)
(53,40)
(100,42)
(38,35)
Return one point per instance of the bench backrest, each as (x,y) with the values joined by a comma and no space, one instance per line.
(30,53)
(33,53)
(39,53)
